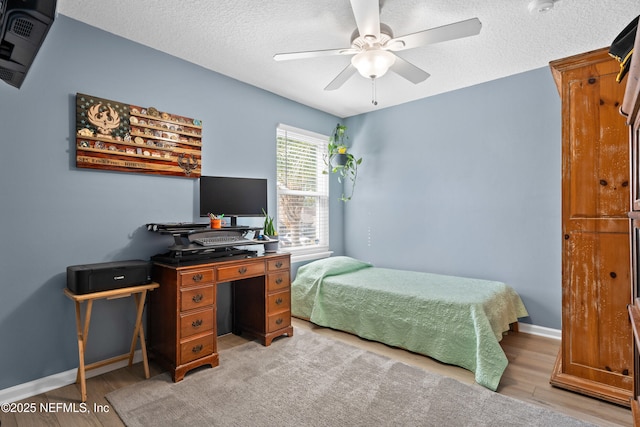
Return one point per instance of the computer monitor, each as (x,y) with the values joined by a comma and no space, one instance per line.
(233,197)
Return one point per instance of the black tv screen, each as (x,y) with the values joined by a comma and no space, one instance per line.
(232,197)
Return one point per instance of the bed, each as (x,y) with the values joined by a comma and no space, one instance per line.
(455,320)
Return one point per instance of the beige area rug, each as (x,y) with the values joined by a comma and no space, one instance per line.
(312,380)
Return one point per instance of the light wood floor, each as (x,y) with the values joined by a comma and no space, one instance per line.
(531,359)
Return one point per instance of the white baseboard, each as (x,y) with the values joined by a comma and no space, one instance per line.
(62,379)
(540,331)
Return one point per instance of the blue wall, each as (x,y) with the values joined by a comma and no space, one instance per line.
(55,215)
(466,183)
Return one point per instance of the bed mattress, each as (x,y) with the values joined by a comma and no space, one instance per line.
(455,320)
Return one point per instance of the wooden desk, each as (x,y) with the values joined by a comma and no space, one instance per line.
(182,312)
(139,293)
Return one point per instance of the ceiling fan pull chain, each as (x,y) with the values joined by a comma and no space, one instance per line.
(374,101)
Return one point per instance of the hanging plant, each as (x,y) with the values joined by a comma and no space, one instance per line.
(340,161)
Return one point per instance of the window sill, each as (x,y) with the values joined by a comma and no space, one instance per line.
(301,257)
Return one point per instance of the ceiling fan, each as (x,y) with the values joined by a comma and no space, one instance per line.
(372,44)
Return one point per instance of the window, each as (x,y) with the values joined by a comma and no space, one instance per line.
(303,193)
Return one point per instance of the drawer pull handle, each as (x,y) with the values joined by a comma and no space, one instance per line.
(279,321)
(197,277)
(242,270)
(197,349)
(197,298)
(278,264)
(278,280)
(279,301)
(196,323)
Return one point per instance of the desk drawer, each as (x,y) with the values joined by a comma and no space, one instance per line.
(278,302)
(278,264)
(241,271)
(196,348)
(278,321)
(191,298)
(277,281)
(196,277)
(195,323)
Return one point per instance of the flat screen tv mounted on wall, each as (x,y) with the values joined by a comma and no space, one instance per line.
(233,197)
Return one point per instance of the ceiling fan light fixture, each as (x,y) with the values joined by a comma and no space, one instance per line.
(541,5)
(373,63)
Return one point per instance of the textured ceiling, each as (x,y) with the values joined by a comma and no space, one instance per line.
(238,38)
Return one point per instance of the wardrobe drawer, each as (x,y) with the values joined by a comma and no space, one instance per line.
(196,348)
(196,322)
(227,274)
(278,321)
(277,281)
(196,277)
(201,296)
(278,264)
(278,302)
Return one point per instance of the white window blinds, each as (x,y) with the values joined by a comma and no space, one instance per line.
(303,191)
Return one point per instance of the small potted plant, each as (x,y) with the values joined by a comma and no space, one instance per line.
(340,161)
(269,234)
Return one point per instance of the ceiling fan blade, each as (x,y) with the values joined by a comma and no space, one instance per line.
(458,30)
(367,14)
(341,78)
(409,71)
(314,54)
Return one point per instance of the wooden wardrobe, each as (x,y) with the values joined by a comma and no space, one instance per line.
(596,355)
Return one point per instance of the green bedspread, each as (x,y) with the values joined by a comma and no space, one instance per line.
(455,320)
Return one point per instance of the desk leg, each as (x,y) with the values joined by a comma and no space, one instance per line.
(83,333)
(139,332)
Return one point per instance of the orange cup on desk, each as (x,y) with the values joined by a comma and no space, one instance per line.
(216,223)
